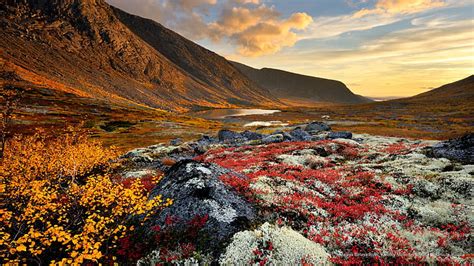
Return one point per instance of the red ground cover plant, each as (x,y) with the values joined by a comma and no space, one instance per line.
(175,240)
(400,148)
(340,205)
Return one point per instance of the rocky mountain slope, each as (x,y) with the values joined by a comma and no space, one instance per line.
(307,195)
(287,85)
(91,49)
(458,90)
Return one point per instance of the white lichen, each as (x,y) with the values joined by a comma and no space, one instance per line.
(289,247)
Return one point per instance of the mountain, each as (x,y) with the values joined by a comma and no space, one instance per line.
(461,90)
(91,49)
(291,86)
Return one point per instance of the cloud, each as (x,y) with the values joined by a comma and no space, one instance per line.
(258,31)
(267,38)
(391,7)
(384,13)
(254,28)
(434,50)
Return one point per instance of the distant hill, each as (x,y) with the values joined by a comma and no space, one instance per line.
(93,50)
(287,85)
(462,89)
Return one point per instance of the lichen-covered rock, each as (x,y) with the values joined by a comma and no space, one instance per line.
(197,191)
(229,136)
(273,139)
(460,149)
(298,134)
(317,126)
(274,246)
(340,135)
(252,135)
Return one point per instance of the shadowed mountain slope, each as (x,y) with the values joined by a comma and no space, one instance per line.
(94,50)
(287,85)
(461,89)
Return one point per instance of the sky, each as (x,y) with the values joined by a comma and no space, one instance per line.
(378,48)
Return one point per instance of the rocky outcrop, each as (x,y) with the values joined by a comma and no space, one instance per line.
(460,149)
(317,126)
(197,191)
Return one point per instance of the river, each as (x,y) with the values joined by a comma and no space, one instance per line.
(219,114)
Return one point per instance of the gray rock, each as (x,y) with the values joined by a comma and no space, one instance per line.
(229,136)
(206,140)
(340,135)
(252,135)
(317,126)
(460,149)
(176,142)
(196,190)
(300,135)
(273,139)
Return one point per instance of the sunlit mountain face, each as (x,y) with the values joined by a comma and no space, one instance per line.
(379,48)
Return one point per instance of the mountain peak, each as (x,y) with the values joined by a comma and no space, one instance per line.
(103,52)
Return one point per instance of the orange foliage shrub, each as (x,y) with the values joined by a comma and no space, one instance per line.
(59,204)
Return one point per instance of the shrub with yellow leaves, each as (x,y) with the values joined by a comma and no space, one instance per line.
(61,204)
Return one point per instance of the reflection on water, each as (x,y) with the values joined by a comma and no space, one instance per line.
(226,113)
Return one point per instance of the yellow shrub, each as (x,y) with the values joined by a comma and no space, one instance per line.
(60,204)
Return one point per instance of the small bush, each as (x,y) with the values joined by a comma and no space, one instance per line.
(60,203)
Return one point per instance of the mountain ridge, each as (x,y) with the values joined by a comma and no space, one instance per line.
(288,85)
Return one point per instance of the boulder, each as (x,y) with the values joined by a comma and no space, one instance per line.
(197,191)
(275,246)
(273,139)
(206,140)
(229,136)
(300,135)
(317,126)
(176,142)
(460,149)
(251,135)
(340,135)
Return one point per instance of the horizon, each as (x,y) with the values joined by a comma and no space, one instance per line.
(378,48)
